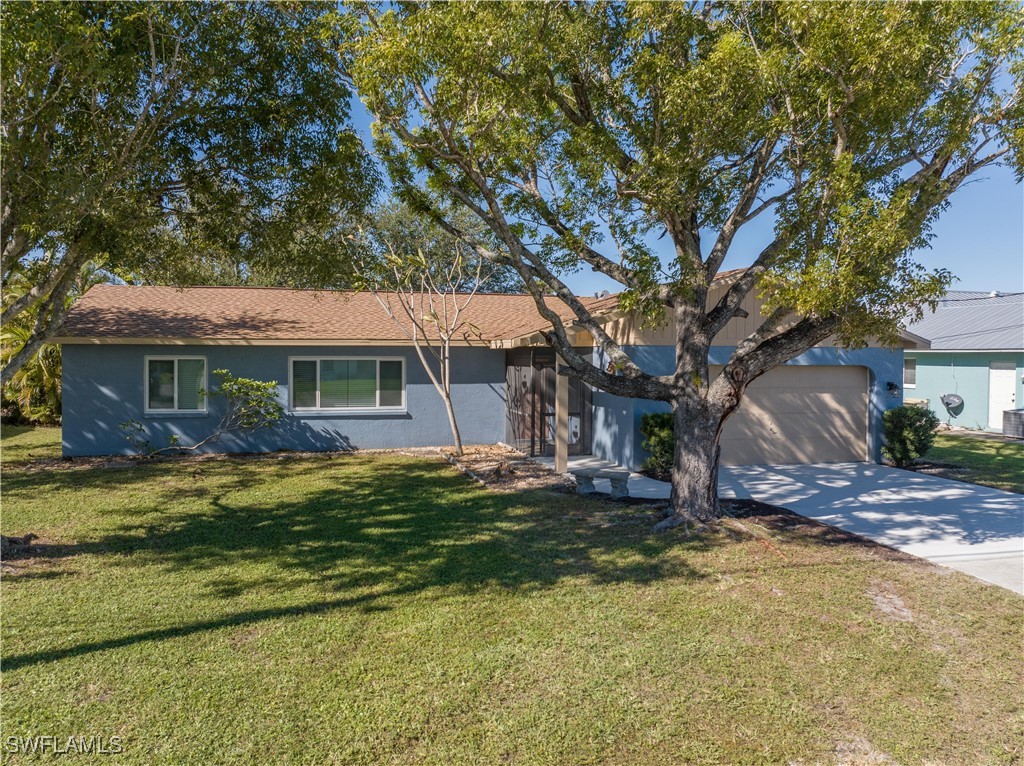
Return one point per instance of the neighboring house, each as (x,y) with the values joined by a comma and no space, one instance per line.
(349,378)
(976,351)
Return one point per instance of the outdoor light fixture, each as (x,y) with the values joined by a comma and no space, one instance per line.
(893,389)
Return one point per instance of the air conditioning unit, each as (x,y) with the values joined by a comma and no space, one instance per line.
(1013,424)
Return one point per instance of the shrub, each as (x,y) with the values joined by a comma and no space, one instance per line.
(33,395)
(659,440)
(909,434)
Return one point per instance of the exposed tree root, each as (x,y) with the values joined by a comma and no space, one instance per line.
(672,521)
(10,545)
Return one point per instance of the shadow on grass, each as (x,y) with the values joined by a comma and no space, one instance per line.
(365,529)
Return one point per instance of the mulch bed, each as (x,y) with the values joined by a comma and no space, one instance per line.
(504,469)
(132,461)
(778,519)
(942,470)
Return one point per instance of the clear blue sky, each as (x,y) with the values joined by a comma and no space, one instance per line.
(979,238)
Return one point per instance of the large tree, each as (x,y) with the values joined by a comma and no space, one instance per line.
(147,137)
(581,132)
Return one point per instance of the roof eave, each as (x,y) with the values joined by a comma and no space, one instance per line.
(919,341)
(96,340)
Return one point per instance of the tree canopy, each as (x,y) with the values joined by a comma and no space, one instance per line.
(156,137)
(578,132)
(396,230)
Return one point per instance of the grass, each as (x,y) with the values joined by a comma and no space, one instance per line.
(992,463)
(374,608)
(23,444)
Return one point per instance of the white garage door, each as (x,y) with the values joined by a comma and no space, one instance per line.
(800,414)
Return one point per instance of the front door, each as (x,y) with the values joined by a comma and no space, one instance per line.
(531,384)
(1002,391)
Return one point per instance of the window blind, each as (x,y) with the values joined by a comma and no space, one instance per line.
(346,383)
(191,375)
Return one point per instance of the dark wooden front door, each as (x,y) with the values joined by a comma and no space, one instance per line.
(530,386)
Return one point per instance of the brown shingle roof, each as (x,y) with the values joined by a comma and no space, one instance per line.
(269,314)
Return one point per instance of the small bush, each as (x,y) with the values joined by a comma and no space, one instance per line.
(659,440)
(249,405)
(909,434)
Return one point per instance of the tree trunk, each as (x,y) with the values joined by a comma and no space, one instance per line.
(698,425)
(41,333)
(452,422)
(446,393)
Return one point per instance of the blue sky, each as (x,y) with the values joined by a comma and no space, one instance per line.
(979,238)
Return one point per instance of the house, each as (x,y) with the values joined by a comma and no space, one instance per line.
(348,378)
(976,351)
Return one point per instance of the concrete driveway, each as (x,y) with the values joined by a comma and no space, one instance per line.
(975,529)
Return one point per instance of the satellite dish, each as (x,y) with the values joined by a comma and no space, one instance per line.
(954,403)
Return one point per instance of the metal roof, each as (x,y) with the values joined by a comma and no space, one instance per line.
(972,321)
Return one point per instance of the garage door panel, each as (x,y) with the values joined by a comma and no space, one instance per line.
(800,414)
(802,450)
(819,377)
(810,377)
(779,401)
(793,425)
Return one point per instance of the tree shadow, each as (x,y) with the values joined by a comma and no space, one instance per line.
(361,536)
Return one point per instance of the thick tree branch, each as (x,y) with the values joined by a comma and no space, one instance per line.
(730,302)
(593,258)
(754,357)
(741,212)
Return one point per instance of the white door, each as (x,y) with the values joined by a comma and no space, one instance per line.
(1002,389)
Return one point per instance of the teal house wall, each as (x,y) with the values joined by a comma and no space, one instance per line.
(962,373)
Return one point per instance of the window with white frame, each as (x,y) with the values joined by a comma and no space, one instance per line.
(175,383)
(909,373)
(347,383)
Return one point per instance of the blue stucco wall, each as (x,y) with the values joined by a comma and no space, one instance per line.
(103,387)
(617,420)
(966,374)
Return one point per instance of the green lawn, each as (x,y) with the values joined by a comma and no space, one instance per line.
(992,463)
(23,444)
(372,609)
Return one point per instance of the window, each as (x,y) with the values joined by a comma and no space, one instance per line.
(337,383)
(175,384)
(909,373)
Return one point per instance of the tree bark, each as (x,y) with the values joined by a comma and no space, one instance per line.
(698,426)
(446,394)
(456,436)
(52,314)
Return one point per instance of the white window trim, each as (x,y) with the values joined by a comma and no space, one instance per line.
(145,379)
(377,409)
(905,384)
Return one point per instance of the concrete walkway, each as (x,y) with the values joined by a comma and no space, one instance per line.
(974,529)
(639,485)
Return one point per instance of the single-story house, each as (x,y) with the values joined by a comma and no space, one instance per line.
(976,351)
(349,378)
